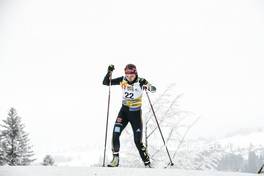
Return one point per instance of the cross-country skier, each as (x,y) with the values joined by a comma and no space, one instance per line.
(132,87)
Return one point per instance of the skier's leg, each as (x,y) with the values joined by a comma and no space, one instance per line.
(120,124)
(137,126)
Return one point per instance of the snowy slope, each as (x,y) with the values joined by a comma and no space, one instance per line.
(244,138)
(238,141)
(93,171)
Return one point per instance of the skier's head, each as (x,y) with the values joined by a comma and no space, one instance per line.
(131,72)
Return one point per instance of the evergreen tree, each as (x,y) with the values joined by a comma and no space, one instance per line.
(48,161)
(2,154)
(15,142)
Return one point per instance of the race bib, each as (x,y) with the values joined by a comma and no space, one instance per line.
(132,94)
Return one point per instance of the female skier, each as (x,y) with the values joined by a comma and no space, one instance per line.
(132,87)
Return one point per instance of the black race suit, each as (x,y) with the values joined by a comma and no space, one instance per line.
(125,115)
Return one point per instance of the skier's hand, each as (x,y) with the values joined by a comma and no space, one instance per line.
(111,68)
(150,88)
(145,87)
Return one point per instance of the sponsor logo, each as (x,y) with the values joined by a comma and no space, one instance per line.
(130,88)
(124,84)
(117,129)
(119,120)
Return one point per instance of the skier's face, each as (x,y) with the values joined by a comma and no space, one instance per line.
(130,76)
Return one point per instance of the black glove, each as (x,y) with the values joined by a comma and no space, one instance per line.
(150,88)
(111,68)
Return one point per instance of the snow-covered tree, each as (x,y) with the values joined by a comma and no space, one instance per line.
(48,161)
(2,154)
(231,162)
(252,161)
(15,143)
(175,123)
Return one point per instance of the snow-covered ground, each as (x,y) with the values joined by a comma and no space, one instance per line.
(239,142)
(97,171)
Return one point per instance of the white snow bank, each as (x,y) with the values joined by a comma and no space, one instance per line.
(100,171)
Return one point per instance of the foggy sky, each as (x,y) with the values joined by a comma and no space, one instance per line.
(54,55)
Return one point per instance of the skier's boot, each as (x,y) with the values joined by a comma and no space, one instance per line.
(115,161)
(147,164)
(145,156)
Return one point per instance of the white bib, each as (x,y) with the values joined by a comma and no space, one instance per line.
(132,94)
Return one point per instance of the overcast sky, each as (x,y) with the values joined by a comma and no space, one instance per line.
(54,55)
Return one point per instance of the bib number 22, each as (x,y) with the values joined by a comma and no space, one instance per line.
(129,95)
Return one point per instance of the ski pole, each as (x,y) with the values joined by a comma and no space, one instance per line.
(108,107)
(260,170)
(171,163)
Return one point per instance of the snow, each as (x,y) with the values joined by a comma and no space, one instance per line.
(237,143)
(100,171)
(244,139)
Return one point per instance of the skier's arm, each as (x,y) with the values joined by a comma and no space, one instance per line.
(108,76)
(115,81)
(146,85)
